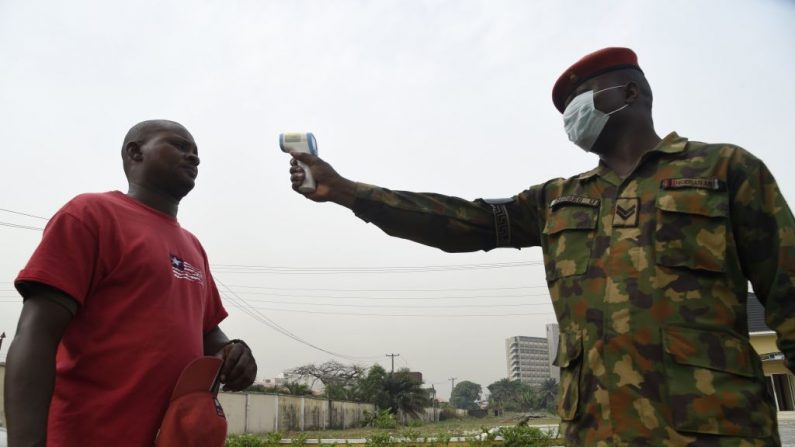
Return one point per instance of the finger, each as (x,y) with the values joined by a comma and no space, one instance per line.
(297,179)
(231,357)
(293,162)
(304,157)
(245,379)
(243,374)
(239,368)
(296,169)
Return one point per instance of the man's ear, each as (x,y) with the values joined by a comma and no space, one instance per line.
(132,151)
(631,93)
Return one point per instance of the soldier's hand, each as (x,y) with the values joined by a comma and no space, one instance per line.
(330,186)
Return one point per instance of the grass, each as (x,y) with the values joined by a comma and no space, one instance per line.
(455,427)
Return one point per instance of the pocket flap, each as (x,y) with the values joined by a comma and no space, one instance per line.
(695,201)
(569,349)
(571,217)
(717,350)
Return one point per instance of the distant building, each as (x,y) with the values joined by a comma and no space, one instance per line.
(553,336)
(528,359)
(415,375)
(780,381)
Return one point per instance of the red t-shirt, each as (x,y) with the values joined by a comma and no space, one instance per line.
(146,300)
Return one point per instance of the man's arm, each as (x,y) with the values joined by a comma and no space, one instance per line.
(30,365)
(239,369)
(764,230)
(449,223)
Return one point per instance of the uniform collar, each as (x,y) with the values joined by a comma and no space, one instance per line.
(671,144)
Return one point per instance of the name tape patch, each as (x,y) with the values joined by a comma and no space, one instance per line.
(712,183)
(574,200)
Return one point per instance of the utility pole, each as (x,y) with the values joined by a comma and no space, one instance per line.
(393,360)
(2,336)
(452,380)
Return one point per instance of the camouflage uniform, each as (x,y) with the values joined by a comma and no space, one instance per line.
(648,276)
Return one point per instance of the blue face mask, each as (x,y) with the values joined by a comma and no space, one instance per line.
(583,121)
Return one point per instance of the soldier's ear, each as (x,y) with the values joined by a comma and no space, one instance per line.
(631,92)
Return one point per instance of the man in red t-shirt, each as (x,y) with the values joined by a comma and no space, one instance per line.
(118,299)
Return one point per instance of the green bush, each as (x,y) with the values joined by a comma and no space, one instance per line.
(381,439)
(414,423)
(411,435)
(524,436)
(273,439)
(244,441)
(484,439)
(380,419)
(299,440)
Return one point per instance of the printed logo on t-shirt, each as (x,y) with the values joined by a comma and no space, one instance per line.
(183,270)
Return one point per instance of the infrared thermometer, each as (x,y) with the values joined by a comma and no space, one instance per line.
(303,142)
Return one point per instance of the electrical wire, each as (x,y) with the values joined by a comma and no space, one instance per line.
(262,318)
(259,269)
(22,227)
(470,289)
(403,315)
(23,214)
(399,298)
(388,306)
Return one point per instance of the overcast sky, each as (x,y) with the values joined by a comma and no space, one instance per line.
(443,96)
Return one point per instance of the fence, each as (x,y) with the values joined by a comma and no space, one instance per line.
(264,413)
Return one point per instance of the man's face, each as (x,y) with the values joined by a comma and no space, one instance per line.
(169,161)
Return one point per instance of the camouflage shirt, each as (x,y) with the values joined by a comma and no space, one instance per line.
(648,277)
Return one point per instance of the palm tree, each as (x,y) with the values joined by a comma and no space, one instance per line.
(297,389)
(402,392)
(547,393)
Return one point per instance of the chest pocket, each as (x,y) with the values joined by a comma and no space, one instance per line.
(570,231)
(692,229)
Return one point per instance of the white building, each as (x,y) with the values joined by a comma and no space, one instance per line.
(528,359)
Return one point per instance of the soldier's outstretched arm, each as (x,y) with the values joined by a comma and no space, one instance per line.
(449,223)
(764,229)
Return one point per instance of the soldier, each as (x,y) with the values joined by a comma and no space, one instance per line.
(647,261)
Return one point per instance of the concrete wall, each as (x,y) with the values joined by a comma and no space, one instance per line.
(264,413)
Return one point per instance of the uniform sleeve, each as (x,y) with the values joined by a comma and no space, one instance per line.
(450,223)
(65,259)
(764,229)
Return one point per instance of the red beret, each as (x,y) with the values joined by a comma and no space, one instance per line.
(590,66)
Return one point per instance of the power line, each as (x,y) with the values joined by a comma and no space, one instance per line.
(398,298)
(22,227)
(393,306)
(23,214)
(389,290)
(259,316)
(402,315)
(257,269)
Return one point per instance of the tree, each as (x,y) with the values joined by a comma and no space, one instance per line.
(405,393)
(371,387)
(505,395)
(465,395)
(547,393)
(297,389)
(339,380)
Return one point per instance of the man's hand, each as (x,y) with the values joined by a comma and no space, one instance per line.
(239,369)
(331,187)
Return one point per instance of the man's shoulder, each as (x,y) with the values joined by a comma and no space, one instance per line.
(720,150)
(89,202)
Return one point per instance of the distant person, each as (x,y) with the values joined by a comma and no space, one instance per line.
(647,260)
(118,299)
